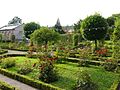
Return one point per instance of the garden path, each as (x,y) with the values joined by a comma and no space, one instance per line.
(16,52)
(19,85)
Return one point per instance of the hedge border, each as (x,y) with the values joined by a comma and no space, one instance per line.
(4,51)
(34,83)
(115,85)
(6,86)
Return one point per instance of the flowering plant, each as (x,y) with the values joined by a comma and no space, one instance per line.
(101,52)
(110,65)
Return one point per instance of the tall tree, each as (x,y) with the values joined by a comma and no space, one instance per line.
(29,28)
(94,28)
(15,20)
(58,27)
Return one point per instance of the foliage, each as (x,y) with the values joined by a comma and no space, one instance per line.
(25,67)
(8,62)
(47,71)
(116,40)
(84,82)
(34,83)
(94,28)
(6,86)
(44,35)
(29,28)
(15,20)
(111,21)
(75,39)
(101,52)
(77,26)
(110,65)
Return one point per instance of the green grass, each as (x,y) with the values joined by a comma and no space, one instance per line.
(68,74)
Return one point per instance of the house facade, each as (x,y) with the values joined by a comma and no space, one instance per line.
(12,29)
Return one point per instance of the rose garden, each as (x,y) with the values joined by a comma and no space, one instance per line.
(87,59)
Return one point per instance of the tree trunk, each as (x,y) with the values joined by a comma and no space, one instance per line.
(95,44)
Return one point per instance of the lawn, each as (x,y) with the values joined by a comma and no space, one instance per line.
(68,74)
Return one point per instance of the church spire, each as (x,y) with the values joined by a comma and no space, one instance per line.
(58,22)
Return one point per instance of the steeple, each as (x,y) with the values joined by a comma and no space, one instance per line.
(58,22)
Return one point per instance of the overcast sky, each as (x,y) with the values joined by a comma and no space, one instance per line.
(46,12)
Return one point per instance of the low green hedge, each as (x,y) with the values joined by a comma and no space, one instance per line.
(3,51)
(116,85)
(34,83)
(5,86)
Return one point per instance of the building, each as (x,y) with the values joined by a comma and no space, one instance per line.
(12,29)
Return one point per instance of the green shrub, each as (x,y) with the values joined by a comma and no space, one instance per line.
(37,84)
(75,39)
(84,82)
(5,86)
(83,63)
(110,65)
(8,62)
(48,72)
(25,67)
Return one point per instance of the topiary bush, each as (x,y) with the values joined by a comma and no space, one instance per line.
(84,82)
(48,72)
(25,67)
(8,62)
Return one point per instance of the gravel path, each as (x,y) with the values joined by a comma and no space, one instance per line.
(19,85)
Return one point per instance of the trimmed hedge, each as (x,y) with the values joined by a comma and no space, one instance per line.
(34,83)
(3,51)
(115,85)
(76,60)
(5,86)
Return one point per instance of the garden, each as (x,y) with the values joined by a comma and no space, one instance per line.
(85,60)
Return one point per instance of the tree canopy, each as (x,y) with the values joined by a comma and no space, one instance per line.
(15,20)
(44,35)
(94,28)
(29,28)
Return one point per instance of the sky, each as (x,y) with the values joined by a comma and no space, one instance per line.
(46,12)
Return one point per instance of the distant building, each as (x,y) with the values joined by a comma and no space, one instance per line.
(12,29)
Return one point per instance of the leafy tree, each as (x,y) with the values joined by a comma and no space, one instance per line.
(77,26)
(116,40)
(29,28)
(94,28)
(58,27)
(15,20)
(44,35)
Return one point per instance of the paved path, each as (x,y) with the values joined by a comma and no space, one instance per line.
(19,85)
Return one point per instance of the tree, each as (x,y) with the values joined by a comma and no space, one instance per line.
(58,27)
(44,35)
(29,28)
(77,26)
(94,28)
(15,20)
(116,40)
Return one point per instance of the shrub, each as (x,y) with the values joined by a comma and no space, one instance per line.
(75,39)
(8,62)
(83,63)
(5,86)
(25,67)
(84,82)
(110,65)
(48,72)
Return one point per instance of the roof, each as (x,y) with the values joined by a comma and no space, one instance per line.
(9,27)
